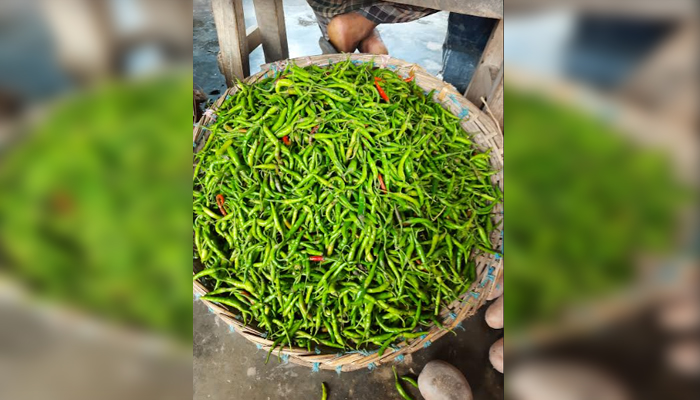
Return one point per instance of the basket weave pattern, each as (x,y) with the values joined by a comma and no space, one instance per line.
(484,134)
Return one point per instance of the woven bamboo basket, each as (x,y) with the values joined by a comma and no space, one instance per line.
(485,135)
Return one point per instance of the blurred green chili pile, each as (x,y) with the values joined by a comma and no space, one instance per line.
(584,203)
(94,201)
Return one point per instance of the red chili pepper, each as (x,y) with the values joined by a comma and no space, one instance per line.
(246,294)
(220,202)
(418,262)
(62,202)
(410,78)
(381,183)
(286,141)
(381,91)
(316,258)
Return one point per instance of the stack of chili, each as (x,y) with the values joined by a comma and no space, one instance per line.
(339,207)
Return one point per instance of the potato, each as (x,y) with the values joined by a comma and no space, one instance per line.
(680,312)
(442,381)
(496,355)
(494,314)
(683,355)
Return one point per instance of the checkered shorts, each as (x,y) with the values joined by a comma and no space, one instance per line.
(379,12)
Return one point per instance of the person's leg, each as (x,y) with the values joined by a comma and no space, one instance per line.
(323,42)
(373,44)
(346,31)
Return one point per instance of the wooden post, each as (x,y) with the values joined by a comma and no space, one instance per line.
(485,76)
(270,17)
(253,38)
(230,28)
(86,42)
(495,99)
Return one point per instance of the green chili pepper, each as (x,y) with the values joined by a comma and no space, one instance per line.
(280,120)
(399,388)
(410,380)
(349,221)
(324,391)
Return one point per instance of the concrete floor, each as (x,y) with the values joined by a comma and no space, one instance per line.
(227,366)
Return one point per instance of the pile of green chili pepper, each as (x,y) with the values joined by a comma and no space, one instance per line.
(328,214)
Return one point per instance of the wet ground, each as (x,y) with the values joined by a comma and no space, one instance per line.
(227,366)
(419,41)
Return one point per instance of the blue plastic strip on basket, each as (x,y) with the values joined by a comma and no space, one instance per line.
(371,366)
(285,358)
(490,275)
(314,367)
(482,283)
(400,358)
(362,352)
(502,242)
(339,369)
(427,344)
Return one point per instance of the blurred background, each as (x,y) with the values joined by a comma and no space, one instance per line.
(94,212)
(602,235)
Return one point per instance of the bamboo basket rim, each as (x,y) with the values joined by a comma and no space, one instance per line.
(484,134)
